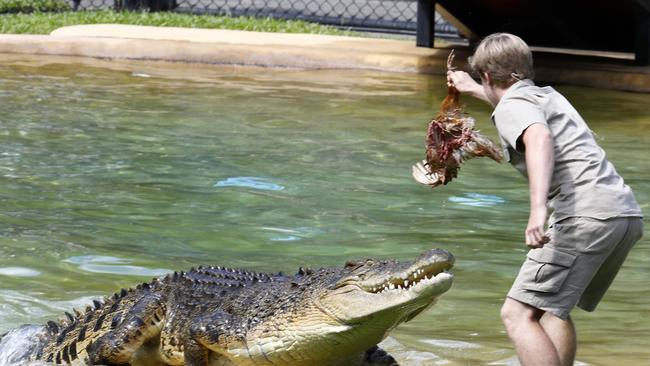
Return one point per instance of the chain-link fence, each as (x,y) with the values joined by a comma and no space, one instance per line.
(394,16)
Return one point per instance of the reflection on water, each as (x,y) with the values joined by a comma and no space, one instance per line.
(446,343)
(249,182)
(26,304)
(108,178)
(106,264)
(19,272)
(299,233)
(477,200)
(140,74)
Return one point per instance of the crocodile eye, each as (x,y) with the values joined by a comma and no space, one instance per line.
(370,262)
(352,264)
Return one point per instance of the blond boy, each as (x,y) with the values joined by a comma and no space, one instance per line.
(594,219)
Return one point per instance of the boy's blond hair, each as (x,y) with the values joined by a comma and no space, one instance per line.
(505,57)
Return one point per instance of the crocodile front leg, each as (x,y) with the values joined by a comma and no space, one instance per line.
(376,356)
(195,353)
(216,332)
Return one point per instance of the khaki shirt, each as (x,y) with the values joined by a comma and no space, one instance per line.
(584,183)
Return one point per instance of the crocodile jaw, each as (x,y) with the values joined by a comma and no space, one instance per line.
(347,321)
(400,289)
(351,304)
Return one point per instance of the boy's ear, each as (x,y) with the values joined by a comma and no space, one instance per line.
(488,79)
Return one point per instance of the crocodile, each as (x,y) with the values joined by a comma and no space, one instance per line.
(225,316)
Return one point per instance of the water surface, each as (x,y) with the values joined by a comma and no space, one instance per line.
(114,172)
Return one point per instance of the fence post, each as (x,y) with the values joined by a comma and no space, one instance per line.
(642,43)
(426,21)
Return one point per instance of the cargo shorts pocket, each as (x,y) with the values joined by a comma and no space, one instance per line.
(546,269)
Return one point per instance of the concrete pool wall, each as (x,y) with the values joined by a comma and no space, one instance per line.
(304,51)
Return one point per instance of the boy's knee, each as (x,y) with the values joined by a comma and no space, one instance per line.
(515,313)
(507,314)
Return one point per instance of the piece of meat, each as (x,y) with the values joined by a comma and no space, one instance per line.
(451,139)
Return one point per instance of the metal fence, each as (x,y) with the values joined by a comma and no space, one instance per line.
(393,16)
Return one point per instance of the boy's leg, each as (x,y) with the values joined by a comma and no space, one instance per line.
(563,335)
(554,278)
(611,265)
(533,345)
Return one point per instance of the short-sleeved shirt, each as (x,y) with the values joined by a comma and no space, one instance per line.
(584,182)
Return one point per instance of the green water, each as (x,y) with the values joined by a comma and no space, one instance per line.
(114,172)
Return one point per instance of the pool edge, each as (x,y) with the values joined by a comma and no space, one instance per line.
(304,51)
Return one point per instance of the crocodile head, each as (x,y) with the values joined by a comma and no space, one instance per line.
(385,293)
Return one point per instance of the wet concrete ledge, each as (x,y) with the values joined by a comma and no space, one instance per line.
(303,51)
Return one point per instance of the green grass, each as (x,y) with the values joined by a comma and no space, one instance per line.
(44,23)
(29,6)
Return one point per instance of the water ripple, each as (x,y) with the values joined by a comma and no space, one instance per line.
(448,343)
(19,272)
(477,200)
(113,265)
(250,182)
(292,234)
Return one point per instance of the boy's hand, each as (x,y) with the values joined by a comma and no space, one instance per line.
(535,234)
(464,83)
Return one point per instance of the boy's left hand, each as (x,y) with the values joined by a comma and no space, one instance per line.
(535,234)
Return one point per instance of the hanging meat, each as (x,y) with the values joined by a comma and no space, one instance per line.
(451,139)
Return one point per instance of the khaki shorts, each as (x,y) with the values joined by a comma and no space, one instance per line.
(578,264)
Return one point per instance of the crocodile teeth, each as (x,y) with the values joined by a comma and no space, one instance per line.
(403,283)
